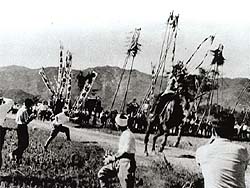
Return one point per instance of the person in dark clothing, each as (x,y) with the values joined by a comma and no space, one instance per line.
(3,131)
(23,118)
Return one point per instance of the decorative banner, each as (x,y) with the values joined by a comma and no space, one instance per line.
(153,82)
(65,77)
(46,81)
(62,90)
(86,89)
(170,36)
(69,77)
(132,51)
(68,93)
(211,37)
(134,45)
(218,57)
(60,69)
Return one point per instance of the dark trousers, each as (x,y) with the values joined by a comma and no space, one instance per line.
(164,99)
(124,169)
(2,135)
(23,141)
(54,133)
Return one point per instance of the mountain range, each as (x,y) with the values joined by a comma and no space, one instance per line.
(18,82)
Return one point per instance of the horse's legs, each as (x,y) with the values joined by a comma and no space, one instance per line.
(146,139)
(160,132)
(164,142)
(179,135)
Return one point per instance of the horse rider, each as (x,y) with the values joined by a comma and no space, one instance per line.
(168,95)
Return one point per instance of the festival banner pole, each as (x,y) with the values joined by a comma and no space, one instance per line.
(46,81)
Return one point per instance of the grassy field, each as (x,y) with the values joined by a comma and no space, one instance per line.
(70,164)
(75,164)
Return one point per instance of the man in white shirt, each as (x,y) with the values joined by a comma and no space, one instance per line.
(42,110)
(223,163)
(23,117)
(4,108)
(123,162)
(60,119)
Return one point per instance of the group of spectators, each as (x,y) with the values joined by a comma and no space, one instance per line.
(25,114)
(123,163)
(222,162)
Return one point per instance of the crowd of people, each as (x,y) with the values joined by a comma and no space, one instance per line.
(24,115)
(222,162)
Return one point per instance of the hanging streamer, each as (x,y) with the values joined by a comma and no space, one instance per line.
(60,68)
(202,61)
(134,47)
(65,77)
(171,31)
(152,82)
(85,91)
(69,82)
(210,37)
(46,81)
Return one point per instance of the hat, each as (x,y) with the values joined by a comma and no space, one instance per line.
(121,120)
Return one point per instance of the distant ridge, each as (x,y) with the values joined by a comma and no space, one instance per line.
(17,95)
(30,82)
(13,68)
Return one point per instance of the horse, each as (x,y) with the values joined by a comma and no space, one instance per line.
(170,116)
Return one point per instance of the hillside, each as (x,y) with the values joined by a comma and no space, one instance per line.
(28,80)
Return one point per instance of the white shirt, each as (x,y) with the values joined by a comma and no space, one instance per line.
(171,86)
(223,164)
(61,118)
(245,127)
(43,107)
(22,116)
(4,108)
(127,142)
(145,107)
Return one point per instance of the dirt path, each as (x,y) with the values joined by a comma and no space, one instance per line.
(173,155)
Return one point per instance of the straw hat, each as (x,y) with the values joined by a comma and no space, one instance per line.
(121,120)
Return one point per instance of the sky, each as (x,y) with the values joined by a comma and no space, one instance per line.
(97,31)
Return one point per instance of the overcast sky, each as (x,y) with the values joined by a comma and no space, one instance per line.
(96,31)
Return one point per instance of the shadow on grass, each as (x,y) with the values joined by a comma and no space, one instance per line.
(186,156)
